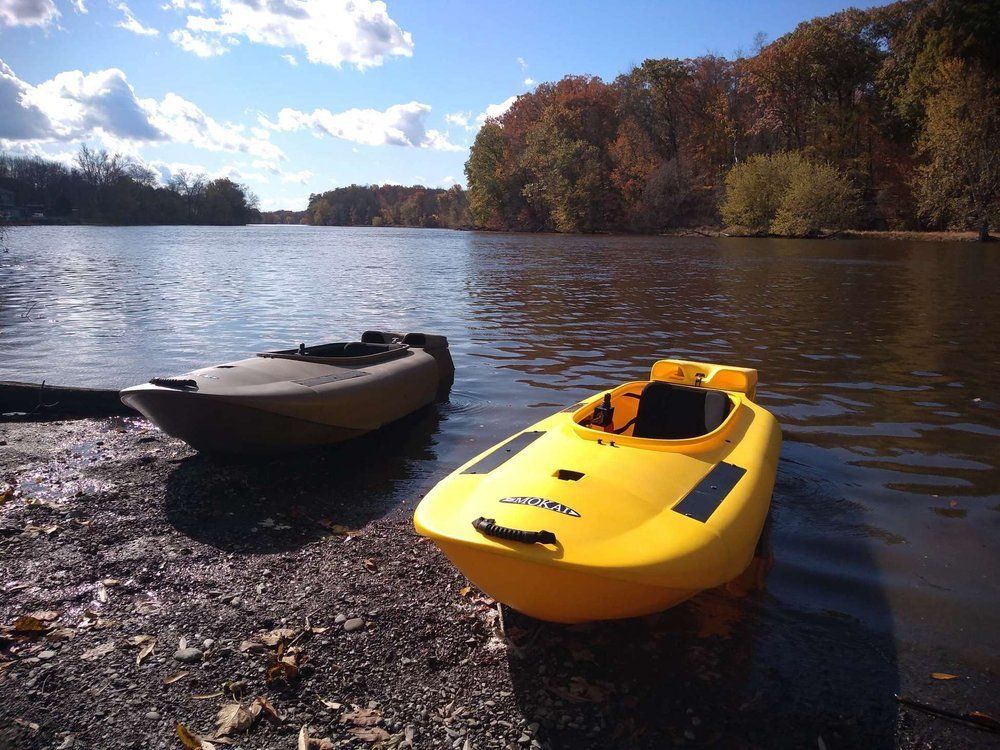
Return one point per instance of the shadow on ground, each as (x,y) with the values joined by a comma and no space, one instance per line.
(284,503)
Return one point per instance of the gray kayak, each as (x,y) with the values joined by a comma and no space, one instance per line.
(313,395)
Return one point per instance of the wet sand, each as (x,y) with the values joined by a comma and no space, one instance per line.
(116,537)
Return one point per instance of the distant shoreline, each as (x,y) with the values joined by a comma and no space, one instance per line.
(711,232)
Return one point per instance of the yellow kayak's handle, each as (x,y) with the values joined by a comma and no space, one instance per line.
(489,527)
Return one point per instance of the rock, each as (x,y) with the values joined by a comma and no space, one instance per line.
(340,619)
(355,623)
(153,716)
(46,654)
(188,655)
(208,643)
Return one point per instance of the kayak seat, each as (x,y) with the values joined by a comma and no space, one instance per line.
(669,412)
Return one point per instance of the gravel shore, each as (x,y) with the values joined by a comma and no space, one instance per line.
(289,603)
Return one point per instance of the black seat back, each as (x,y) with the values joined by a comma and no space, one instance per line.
(669,412)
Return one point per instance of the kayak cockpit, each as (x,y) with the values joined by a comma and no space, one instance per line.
(655,410)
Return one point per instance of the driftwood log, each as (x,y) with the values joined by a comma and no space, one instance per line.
(44,400)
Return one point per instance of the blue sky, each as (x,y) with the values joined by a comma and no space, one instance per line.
(299,96)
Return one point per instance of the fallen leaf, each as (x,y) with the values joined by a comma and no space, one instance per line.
(284,669)
(182,643)
(29,724)
(464,591)
(232,719)
(361,717)
(206,696)
(110,581)
(6,494)
(98,651)
(943,676)
(370,564)
(275,637)
(978,717)
(332,705)
(28,625)
(191,741)
(171,679)
(303,738)
(262,705)
(147,643)
(370,734)
(248,646)
(102,593)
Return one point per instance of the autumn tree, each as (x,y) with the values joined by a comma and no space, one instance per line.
(959,184)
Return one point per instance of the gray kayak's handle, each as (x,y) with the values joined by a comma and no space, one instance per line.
(489,527)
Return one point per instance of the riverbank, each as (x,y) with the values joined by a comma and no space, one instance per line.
(163,587)
(845,234)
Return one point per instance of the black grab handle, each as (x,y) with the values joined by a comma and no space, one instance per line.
(182,384)
(489,527)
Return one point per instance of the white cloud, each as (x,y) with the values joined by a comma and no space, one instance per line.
(27,12)
(74,106)
(130,23)
(398,125)
(299,177)
(198,44)
(195,5)
(290,59)
(495,110)
(459,118)
(330,32)
(80,6)
(529,81)
(522,64)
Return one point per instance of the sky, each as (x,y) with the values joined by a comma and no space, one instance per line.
(293,97)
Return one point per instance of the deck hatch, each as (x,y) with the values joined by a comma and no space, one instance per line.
(701,502)
(332,377)
(500,455)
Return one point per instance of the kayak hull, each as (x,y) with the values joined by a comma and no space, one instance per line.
(568,522)
(283,401)
(213,425)
(559,594)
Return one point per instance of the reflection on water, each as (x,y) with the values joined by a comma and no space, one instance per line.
(879,359)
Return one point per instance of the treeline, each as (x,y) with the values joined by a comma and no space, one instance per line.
(114,189)
(380,206)
(887,118)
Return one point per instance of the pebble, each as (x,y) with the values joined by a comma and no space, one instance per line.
(340,619)
(46,654)
(153,715)
(208,643)
(355,623)
(188,655)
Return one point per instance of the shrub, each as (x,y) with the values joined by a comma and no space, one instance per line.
(787,194)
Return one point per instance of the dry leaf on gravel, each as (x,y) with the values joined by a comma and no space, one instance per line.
(285,670)
(310,743)
(207,696)
(232,719)
(262,706)
(191,741)
(102,593)
(276,637)
(464,591)
(98,651)
(361,717)
(146,643)
(6,494)
(332,705)
(943,676)
(29,625)
(369,734)
(171,679)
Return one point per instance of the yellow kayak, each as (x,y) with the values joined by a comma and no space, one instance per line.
(626,503)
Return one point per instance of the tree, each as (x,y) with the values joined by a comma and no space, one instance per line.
(787,194)
(959,183)
(484,172)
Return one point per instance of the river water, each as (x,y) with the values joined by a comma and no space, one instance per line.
(878,358)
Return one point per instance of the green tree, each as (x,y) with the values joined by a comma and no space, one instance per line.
(787,194)
(484,173)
